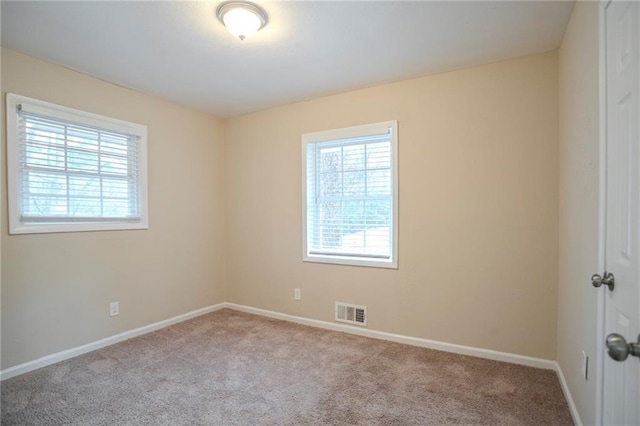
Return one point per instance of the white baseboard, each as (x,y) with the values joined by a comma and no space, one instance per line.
(73,352)
(414,341)
(567,395)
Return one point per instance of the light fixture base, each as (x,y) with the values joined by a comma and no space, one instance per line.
(257,15)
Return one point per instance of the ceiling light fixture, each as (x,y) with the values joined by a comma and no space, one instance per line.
(241,18)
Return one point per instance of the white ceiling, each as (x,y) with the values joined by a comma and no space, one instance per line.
(180,51)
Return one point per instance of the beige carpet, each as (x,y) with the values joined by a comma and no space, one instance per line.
(228,368)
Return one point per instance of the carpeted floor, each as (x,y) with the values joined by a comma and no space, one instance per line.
(228,368)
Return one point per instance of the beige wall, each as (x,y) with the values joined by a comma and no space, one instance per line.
(478,242)
(579,156)
(56,288)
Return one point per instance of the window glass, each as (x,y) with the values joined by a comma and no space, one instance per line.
(350,195)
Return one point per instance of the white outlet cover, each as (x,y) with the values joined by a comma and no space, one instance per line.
(296,294)
(114,309)
(585,365)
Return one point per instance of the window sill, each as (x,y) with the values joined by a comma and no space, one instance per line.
(351,261)
(49,228)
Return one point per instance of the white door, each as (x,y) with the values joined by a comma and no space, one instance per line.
(621,391)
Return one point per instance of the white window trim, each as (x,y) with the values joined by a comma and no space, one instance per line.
(345,133)
(16,226)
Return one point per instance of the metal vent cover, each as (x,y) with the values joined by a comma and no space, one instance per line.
(351,314)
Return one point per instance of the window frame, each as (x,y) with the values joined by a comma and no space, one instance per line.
(365,130)
(55,111)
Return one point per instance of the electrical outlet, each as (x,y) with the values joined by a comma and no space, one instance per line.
(296,294)
(585,365)
(114,309)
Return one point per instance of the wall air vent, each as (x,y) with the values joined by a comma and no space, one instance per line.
(352,314)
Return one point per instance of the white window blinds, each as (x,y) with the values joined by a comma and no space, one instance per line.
(77,169)
(350,195)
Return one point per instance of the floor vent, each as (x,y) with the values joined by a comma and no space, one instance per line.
(352,314)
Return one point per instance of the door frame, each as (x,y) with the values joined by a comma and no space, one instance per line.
(602,200)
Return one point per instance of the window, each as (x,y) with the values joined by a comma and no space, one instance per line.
(350,195)
(70,170)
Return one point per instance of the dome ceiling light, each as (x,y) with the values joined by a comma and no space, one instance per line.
(242,19)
